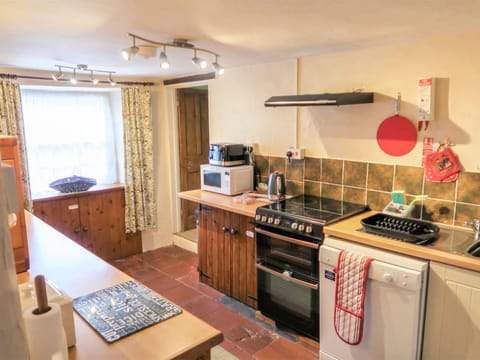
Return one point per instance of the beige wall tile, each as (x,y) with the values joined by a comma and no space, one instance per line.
(332,171)
(312,169)
(380,177)
(355,173)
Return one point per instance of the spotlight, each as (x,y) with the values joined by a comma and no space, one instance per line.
(163,60)
(201,63)
(219,70)
(73,79)
(110,80)
(57,75)
(92,79)
(130,52)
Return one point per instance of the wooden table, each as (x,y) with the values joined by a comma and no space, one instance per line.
(78,272)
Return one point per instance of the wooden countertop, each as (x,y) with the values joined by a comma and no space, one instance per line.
(78,272)
(348,230)
(221,201)
(97,189)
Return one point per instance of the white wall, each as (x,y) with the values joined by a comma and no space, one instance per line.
(237,113)
(349,132)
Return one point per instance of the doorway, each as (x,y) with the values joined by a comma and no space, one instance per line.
(193,148)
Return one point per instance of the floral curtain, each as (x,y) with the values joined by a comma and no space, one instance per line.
(11,124)
(140,204)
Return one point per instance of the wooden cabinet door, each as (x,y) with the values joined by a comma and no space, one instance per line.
(243,275)
(205,244)
(62,215)
(102,223)
(214,249)
(9,155)
(94,219)
(226,249)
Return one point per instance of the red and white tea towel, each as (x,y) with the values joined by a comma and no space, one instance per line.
(350,288)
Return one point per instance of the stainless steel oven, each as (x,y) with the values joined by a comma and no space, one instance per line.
(289,234)
(287,271)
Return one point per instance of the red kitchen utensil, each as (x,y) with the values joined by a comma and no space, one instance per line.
(397,135)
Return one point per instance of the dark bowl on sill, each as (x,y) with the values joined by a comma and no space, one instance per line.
(73,184)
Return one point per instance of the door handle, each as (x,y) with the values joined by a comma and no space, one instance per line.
(287,277)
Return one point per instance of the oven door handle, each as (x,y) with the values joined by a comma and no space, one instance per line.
(287,278)
(287,239)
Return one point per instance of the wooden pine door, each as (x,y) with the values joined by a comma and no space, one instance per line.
(193,127)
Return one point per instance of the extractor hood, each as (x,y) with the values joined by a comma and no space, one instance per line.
(321,99)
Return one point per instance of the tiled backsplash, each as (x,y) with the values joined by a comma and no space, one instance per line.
(371,184)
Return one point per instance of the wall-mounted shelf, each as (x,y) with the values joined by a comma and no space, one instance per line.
(326,99)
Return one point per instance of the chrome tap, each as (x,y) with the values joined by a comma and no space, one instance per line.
(475,225)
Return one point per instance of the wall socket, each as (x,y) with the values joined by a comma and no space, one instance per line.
(295,153)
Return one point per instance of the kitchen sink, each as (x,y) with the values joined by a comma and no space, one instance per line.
(455,240)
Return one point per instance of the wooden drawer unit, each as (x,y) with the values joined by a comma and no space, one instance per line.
(94,219)
(9,155)
(226,248)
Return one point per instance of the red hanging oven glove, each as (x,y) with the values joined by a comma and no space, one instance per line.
(442,165)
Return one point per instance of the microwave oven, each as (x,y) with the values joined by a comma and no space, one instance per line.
(227,154)
(226,180)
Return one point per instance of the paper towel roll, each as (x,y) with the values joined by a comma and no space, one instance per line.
(45,334)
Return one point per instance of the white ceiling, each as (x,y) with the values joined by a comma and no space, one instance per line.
(38,34)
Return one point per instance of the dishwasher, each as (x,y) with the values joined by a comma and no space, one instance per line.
(394,303)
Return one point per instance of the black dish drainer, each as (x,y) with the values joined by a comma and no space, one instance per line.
(407,230)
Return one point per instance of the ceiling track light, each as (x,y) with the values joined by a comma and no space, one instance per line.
(130,52)
(176,43)
(219,70)
(74,79)
(201,63)
(58,75)
(110,80)
(164,64)
(93,79)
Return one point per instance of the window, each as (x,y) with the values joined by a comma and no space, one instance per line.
(71,132)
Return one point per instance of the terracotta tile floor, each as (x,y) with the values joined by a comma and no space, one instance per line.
(172,272)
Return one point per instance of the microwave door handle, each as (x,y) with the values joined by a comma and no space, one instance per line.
(287,278)
(287,239)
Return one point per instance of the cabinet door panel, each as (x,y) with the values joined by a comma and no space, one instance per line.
(18,235)
(203,249)
(452,325)
(239,257)
(251,270)
(61,214)
(16,231)
(101,218)
(244,276)
(220,252)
